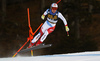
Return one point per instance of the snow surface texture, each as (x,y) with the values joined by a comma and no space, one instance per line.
(84,56)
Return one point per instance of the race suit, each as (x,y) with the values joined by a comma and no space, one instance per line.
(48,26)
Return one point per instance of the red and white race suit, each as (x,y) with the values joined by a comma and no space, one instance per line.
(48,26)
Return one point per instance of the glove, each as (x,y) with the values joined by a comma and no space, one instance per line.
(43,16)
(67,29)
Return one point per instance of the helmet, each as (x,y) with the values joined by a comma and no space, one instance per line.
(54,6)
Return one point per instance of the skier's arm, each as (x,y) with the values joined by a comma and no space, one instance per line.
(44,14)
(64,20)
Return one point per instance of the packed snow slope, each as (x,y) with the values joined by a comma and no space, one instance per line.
(84,56)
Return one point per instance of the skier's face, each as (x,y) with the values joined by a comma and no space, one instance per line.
(54,11)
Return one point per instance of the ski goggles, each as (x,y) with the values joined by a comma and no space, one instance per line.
(54,8)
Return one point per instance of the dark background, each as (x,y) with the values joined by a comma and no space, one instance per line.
(83,17)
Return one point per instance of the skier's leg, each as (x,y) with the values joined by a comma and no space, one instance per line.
(43,37)
(42,30)
(35,38)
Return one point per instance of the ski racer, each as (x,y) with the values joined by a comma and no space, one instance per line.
(49,24)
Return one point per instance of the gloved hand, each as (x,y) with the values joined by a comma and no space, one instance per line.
(43,16)
(67,29)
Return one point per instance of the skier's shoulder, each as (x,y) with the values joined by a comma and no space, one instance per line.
(59,13)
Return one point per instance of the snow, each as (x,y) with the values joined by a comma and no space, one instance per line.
(83,56)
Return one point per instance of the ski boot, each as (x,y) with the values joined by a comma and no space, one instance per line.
(30,45)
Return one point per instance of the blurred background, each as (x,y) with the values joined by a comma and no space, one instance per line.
(83,17)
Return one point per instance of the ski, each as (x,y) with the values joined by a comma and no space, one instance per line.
(36,47)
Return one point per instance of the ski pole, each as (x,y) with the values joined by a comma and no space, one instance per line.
(58,1)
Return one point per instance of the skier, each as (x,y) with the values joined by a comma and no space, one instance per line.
(49,24)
